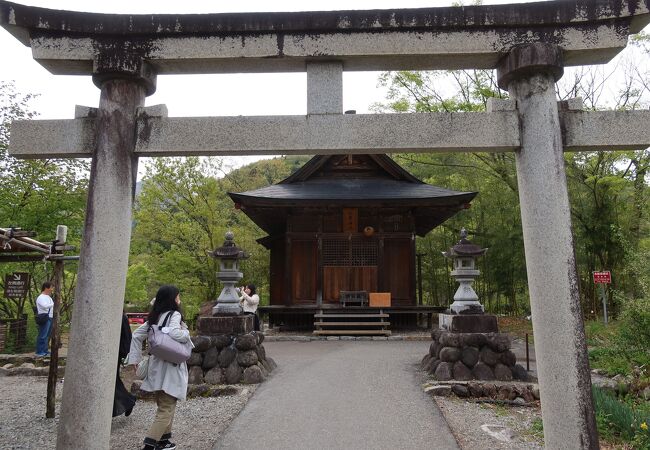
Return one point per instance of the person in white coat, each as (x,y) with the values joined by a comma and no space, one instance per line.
(166,379)
(249,301)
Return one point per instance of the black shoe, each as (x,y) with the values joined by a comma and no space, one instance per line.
(166,444)
(150,447)
(128,412)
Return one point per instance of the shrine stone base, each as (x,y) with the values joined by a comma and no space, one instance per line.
(466,356)
(231,325)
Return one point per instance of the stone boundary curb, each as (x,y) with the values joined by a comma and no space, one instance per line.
(271,338)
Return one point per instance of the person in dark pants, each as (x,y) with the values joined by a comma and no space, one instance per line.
(44,308)
(249,301)
(123,402)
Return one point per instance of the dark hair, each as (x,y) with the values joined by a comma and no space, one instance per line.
(251,287)
(46,285)
(165,301)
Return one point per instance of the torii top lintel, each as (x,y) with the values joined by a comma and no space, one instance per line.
(68,42)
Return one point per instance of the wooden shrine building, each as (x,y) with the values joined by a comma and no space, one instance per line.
(345,223)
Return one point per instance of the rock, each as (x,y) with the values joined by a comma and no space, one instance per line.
(508,358)
(198,390)
(434,365)
(443,371)
(252,375)
(247,358)
(477,340)
(490,390)
(469,356)
(27,366)
(435,334)
(425,361)
(506,393)
(461,372)
(195,375)
(434,348)
(233,373)
(261,352)
(266,365)
(460,390)
(519,401)
(428,363)
(196,359)
(201,343)
(487,356)
(271,363)
(646,393)
(499,342)
(246,342)
(265,372)
(535,392)
(8,366)
(450,354)
(519,373)
(260,337)
(439,391)
(500,433)
(450,340)
(482,371)
(210,358)
(476,390)
(226,356)
(214,376)
(221,341)
(527,395)
(502,373)
(220,391)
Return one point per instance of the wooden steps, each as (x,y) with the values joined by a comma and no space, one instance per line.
(350,324)
(352,332)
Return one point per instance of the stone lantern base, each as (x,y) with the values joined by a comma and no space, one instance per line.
(231,325)
(469,347)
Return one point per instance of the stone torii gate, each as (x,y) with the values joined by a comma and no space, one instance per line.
(529,44)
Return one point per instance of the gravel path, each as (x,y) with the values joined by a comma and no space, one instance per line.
(466,418)
(197,423)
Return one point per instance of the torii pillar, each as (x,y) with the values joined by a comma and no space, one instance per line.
(529,74)
(124,81)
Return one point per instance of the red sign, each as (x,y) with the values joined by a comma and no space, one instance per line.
(603,277)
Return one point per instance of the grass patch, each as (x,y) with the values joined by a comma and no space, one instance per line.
(618,420)
(536,429)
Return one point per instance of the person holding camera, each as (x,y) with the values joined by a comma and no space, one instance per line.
(249,301)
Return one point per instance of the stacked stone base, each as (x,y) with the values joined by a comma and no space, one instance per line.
(472,356)
(515,392)
(229,359)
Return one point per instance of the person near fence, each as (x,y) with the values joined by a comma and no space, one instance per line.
(44,305)
(123,401)
(167,380)
(250,301)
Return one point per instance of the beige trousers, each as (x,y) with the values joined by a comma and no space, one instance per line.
(162,424)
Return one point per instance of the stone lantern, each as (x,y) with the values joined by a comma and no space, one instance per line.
(464,255)
(229,256)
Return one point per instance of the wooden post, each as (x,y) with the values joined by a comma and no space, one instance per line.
(61,234)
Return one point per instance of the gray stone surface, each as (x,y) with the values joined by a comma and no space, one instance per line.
(92,351)
(461,372)
(385,411)
(195,375)
(487,356)
(502,373)
(233,373)
(252,375)
(444,371)
(196,359)
(469,356)
(247,358)
(482,371)
(210,358)
(226,356)
(214,376)
(221,341)
(246,342)
(460,390)
(325,87)
(450,354)
(561,350)
(261,352)
(440,390)
(508,358)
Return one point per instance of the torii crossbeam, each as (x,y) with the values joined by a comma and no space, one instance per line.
(529,44)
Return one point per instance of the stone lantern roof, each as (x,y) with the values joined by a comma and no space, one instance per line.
(464,248)
(229,250)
